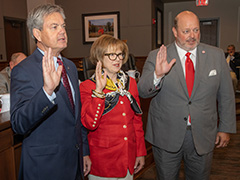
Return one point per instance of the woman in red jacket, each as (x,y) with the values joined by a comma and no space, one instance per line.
(111,113)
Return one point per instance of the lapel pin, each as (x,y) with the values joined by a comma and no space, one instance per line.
(203,52)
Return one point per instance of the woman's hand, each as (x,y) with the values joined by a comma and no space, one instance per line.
(139,164)
(100,81)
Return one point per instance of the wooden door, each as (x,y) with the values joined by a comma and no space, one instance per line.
(15,36)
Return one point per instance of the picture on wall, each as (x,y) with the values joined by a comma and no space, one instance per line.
(96,24)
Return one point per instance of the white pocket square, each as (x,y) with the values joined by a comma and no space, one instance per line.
(213,73)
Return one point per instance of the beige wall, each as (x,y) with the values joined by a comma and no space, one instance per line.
(135,23)
(226,10)
(16,9)
(10,8)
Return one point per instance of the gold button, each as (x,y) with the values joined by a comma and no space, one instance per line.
(98,107)
(121,102)
(93,125)
(124,126)
(96,115)
(125,138)
(97,111)
(95,119)
(124,114)
(94,122)
(99,104)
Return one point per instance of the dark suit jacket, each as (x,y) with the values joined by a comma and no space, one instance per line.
(55,140)
(234,63)
(171,105)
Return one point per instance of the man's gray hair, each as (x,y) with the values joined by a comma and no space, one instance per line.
(37,15)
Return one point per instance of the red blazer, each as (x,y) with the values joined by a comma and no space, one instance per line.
(116,138)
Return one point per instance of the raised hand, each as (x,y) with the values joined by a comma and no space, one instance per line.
(51,77)
(100,81)
(162,67)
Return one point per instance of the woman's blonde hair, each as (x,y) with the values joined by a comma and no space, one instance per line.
(101,46)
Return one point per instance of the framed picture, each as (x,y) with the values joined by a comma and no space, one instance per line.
(96,24)
(159,30)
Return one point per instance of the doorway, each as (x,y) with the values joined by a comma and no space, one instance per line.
(209,32)
(15,36)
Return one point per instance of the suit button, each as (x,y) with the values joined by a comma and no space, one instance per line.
(124,114)
(190,102)
(150,90)
(125,138)
(185,119)
(77,146)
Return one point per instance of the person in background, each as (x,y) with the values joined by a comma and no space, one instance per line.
(233,60)
(5,74)
(185,80)
(111,113)
(45,104)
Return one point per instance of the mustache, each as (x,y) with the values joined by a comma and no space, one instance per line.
(191,39)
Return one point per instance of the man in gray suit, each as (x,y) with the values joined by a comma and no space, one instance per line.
(184,125)
(5,74)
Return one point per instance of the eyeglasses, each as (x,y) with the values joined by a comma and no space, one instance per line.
(113,56)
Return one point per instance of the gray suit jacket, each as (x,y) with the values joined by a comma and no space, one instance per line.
(5,80)
(171,105)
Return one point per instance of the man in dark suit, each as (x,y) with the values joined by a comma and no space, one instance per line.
(183,116)
(45,104)
(233,61)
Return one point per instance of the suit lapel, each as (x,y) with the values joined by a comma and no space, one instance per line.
(74,85)
(200,67)
(177,67)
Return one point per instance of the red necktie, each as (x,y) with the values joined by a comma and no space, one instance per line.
(66,84)
(189,70)
(189,75)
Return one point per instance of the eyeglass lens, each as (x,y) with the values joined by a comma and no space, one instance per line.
(113,56)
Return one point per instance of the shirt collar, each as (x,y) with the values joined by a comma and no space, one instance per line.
(54,58)
(182,52)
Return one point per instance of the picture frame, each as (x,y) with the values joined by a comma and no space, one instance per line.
(159,28)
(96,24)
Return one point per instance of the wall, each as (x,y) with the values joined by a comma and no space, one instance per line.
(135,23)
(226,10)
(10,8)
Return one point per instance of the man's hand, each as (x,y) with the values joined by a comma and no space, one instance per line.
(139,164)
(162,67)
(222,139)
(86,165)
(51,77)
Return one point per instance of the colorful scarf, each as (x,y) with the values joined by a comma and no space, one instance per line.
(118,89)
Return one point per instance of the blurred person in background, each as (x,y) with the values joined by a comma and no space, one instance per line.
(5,74)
